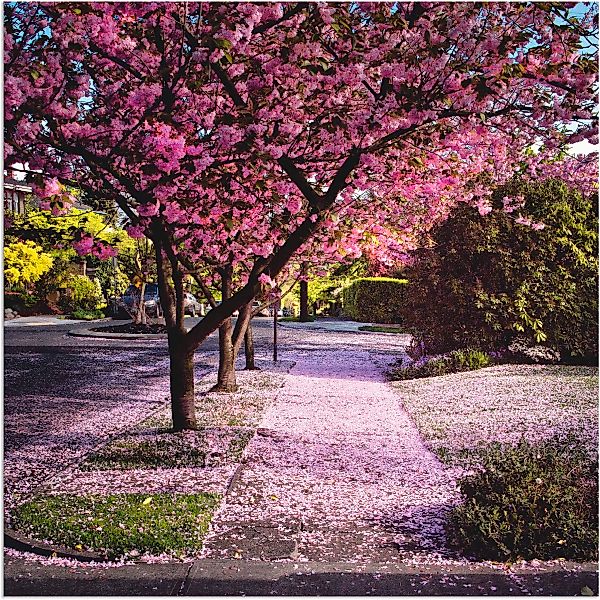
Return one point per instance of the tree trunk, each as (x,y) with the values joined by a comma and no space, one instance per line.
(249,349)
(142,307)
(181,354)
(182,388)
(304,301)
(226,377)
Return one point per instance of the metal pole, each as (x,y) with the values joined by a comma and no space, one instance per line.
(274,333)
(115,302)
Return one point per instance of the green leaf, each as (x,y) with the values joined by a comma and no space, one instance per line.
(35,75)
(228,56)
(223,44)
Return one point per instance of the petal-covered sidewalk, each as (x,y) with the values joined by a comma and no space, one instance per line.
(337,472)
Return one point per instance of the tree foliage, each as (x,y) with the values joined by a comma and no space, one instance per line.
(25,263)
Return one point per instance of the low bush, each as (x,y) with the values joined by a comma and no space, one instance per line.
(454,362)
(374,299)
(119,524)
(87,315)
(380,329)
(82,293)
(530,502)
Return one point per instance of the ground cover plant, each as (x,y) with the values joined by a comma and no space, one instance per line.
(456,361)
(87,315)
(120,524)
(460,415)
(530,501)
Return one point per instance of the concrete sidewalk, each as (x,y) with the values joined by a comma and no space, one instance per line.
(256,578)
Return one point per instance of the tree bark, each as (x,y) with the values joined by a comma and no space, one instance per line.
(226,381)
(304,301)
(181,353)
(142,306)
(182,387)
(249,349)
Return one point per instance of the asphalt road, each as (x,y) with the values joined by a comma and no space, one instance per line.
(36,338)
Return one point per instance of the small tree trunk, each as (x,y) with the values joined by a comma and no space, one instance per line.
(142,307)
(249,349)
(182,388)
(304,301)
(226,381)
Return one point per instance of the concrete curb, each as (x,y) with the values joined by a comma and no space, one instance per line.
(88,333)
(323,328)
(17,541)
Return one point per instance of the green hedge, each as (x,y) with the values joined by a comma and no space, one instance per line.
(374,299)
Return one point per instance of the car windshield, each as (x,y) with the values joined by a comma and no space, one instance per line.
(150,292)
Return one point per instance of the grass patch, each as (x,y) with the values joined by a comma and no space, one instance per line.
(206,448)
(296,320)
(380,329)
(460,415)
(120,524)
(243,408)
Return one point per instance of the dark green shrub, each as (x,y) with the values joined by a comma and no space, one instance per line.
(374,299)
(530,501)
(454,362)
(488,279)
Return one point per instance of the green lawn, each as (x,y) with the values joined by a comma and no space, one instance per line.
(120,524)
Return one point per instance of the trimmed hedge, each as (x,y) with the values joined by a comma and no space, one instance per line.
(374,299)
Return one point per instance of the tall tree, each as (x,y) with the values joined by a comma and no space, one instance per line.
(236,133)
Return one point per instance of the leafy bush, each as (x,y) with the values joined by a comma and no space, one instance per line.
(454,362)
(25,263)
(488,279)
(83,294)
(87,315)
(530,501)
(120,523)
(375,299)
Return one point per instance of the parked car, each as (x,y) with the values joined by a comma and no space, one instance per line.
(191,306)
(151,300)
(262,313)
